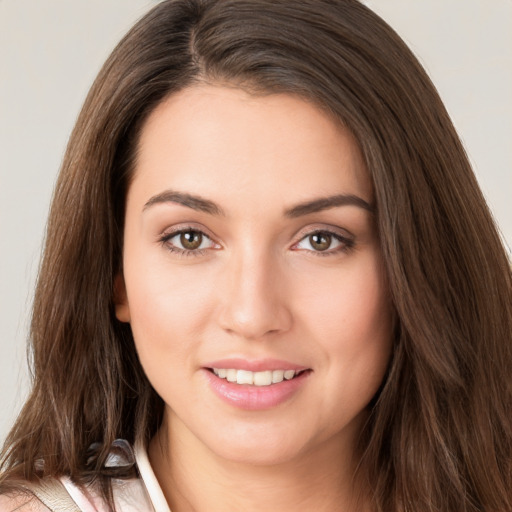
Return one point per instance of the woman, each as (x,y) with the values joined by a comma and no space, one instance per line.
(268,268)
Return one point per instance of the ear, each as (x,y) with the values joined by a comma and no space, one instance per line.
(121,299)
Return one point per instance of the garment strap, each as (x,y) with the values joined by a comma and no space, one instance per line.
(52,494)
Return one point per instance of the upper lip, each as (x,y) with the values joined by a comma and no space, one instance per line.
(257,365)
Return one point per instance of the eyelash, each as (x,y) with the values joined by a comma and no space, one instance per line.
(346,243)
(165,239)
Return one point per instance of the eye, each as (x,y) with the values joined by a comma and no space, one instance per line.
(324,242)
(188,241)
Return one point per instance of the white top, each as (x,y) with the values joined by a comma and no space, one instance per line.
(134,495)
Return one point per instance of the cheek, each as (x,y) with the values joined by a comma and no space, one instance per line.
(353,299)
(168,310)
(162,293)
(350,317)
(165,321)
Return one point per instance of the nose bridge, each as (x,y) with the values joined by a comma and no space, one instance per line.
(254,303)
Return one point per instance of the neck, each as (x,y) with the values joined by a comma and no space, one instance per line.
(194,479)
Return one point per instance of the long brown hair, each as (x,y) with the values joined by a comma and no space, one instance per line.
(439,436)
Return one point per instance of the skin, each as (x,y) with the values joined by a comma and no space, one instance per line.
(257,288)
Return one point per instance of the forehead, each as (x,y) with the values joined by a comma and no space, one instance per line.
(220,140)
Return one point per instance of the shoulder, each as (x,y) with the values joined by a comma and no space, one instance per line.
(21,502)
(130,492)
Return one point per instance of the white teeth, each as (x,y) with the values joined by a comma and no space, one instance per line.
(264,378)
(289,374)
(244,377)
(277,376)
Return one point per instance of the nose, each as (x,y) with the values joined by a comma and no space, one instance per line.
(253,297)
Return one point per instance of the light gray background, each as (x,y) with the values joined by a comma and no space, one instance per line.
(51,50)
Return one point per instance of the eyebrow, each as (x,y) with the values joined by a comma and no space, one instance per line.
(324,203)
(195,202)
(205,205)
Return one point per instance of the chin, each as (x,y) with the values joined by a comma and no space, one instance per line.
(263,445)
(262,454)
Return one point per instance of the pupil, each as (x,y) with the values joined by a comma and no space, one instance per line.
(191,240)
(320,241)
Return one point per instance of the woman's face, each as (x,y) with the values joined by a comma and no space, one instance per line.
(252,274)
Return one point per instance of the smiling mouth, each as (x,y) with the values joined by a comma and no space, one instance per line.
(263,378)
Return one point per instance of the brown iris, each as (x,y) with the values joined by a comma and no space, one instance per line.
(320,241)
(191,240)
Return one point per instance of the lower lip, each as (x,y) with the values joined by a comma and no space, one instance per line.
(255,398)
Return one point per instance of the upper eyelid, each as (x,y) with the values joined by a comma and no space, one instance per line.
(183,228)
(333,230)
(343,240)
(166,236)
